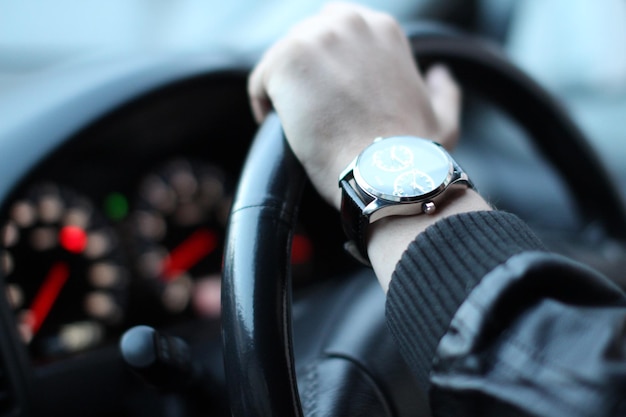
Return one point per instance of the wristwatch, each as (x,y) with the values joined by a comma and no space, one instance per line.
(394,176)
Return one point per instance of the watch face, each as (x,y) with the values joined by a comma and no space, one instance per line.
(403,168)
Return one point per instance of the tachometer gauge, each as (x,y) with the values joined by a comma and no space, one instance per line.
(178,226)
(64,277)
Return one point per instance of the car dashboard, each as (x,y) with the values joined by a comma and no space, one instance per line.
(114,209)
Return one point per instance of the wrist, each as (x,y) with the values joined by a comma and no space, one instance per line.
(390,237)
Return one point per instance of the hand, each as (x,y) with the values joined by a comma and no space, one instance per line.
(343,77)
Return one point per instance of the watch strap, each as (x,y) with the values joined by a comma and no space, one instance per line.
(354,222)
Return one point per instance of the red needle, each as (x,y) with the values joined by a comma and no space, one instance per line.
(47,295)
(183,257)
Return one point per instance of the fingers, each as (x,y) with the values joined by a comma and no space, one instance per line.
(445,97)
(259,101)
(356,16)
(342,77)
(323,29)
(279,56)
(324,47)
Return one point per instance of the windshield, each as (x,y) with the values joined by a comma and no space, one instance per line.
(32,36)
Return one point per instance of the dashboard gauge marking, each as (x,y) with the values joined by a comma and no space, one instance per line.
(101,305)
(80,335)
(15,296)
(150,225)
(47,295)
(198,245)
(177,293)
(98,245)
(23,213)
(78,217)
(159,194)
(104,275)
(184,184)
(24,325)
(7,263)
(207,296)
(150,262)
(10,234)
(43,238)
(50,208)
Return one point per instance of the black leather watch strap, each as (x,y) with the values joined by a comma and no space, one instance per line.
(354,222)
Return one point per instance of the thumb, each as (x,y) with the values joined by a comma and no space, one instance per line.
(445,97)
(259,100)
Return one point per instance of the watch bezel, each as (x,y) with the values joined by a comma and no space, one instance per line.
(375,192)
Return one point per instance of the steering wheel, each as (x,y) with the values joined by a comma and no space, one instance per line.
(256,293)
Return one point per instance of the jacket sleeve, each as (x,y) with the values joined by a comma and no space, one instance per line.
(493,325)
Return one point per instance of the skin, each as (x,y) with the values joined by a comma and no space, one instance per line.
(343,77)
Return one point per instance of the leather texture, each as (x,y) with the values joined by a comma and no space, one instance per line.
(256,293)
(353,221)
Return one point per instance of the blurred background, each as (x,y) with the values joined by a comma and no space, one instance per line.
(574,47)
(35,34)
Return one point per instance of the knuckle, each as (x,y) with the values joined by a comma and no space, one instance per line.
(353,19)
(388,24)
(386,20)
(328,38)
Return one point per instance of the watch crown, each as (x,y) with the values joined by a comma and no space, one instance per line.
(428,207)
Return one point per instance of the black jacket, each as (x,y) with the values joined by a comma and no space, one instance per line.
(493,325)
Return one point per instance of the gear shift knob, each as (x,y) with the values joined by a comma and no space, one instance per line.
(162,360)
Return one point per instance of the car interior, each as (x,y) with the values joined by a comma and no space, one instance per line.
(138,281)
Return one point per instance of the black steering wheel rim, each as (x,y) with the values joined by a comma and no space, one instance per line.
(484,68)
(256,293)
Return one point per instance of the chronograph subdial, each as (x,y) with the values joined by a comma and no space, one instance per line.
(393,159)
(394,176)
(412,183)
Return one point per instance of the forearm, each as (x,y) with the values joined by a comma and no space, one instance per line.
(495,326)
(440,269)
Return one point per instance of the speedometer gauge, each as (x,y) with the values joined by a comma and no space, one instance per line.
(178,228)
(63,274)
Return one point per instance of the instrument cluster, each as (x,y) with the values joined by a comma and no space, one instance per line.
(78,272)
(124,222)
